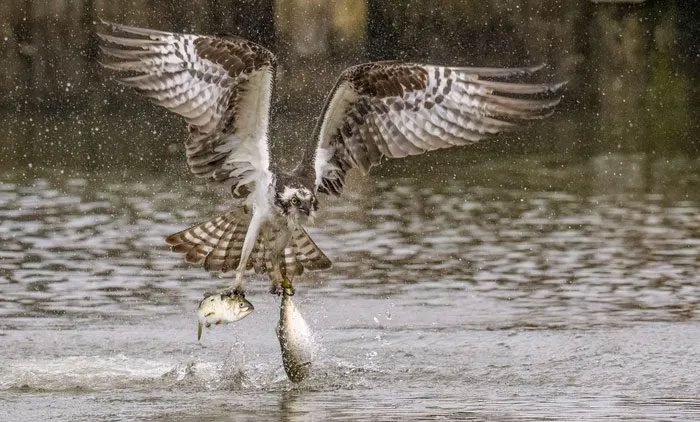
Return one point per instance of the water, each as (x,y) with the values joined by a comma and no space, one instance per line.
(523,287)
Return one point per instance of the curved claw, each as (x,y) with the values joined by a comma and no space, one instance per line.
(239,291)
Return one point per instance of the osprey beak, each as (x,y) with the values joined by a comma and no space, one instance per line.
(305,208)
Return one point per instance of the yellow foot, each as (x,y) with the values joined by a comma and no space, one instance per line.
(287,287)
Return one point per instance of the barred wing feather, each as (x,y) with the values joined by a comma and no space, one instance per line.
(393,110)
(216,244)
(221,85)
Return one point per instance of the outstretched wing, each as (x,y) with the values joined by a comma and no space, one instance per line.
(391,109)
(221,86)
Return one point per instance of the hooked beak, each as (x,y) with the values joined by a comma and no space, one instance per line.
(306,208)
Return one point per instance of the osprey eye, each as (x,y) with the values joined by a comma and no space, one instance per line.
(295,201)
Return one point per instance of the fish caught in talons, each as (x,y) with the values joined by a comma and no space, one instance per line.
(222,307)
(295,339)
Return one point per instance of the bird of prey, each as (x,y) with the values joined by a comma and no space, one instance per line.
(222,86)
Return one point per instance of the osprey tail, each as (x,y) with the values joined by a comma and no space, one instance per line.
(306,252)
(301,253)
(216,243)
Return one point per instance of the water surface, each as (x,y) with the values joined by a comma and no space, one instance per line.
(530,286)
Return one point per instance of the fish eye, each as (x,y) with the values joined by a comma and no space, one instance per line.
(295,201)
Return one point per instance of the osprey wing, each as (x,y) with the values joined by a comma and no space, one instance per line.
(221,85)
(393,109)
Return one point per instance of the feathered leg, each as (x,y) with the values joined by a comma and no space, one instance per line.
(248,244)
(285,268)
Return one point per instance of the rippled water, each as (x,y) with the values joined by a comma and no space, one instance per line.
(537,287)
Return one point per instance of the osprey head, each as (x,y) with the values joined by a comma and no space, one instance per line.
(297,203)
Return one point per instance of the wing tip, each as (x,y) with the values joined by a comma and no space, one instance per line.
(102,21)
(319,266)
(128,29)
(173,239)
(501,72)
(556,87)
(535,68)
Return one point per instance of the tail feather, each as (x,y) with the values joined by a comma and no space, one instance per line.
(216,259)
(307,253)
(292,267)
(215,243)
(196,254)
(204,234)
(234,246)
(218,243)
(257,258)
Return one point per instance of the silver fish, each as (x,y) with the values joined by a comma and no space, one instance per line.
(223,307)
(295,340)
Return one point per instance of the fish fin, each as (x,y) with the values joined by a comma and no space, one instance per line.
(199,330)
(307,253)
(218,322)
(209,314)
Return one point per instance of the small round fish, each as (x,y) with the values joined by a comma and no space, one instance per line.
(223,307)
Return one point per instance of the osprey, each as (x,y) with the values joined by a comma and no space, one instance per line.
(222,86)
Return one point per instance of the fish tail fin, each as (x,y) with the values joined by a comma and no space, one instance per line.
(215,243)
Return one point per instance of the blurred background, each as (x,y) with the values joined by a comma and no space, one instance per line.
(632,68)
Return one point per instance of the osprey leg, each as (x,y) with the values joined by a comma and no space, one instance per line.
(283,285)
(287,287)
(248,244)
(238,284)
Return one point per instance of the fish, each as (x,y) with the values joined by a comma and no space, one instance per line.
(295,339)
(222,307)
